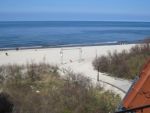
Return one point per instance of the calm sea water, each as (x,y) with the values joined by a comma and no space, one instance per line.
(53,33)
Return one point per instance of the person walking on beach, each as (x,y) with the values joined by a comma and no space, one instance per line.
(6,54)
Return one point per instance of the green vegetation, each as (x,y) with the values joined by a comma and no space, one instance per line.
(125,64)
(39,88)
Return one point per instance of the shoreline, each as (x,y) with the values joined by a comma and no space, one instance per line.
(72,45)
(54,55)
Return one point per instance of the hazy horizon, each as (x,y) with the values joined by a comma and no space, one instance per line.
(69,10)
(76,21)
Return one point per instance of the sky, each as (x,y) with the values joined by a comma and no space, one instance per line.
(75,10)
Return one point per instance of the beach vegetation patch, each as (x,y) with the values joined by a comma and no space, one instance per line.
(125,64)
(39,88)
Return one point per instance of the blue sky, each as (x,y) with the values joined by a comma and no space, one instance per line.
(90,10)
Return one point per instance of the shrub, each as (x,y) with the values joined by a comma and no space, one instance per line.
(6,105)
(124,64)
(38,88)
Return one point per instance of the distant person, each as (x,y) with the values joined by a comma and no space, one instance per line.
(17,49)
(5,105)
(6,54)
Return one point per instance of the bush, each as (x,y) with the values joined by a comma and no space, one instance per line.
(6,105)
(101,63)
(124,64)
(38,88)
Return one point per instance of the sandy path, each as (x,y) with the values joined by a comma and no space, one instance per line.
(86,69)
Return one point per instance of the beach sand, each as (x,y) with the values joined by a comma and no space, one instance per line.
(77,59)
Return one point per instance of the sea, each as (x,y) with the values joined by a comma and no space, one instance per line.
(38,34)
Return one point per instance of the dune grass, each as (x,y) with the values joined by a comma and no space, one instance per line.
(125,64)
(39,88)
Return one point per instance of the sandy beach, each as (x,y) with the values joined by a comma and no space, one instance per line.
(77,59)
